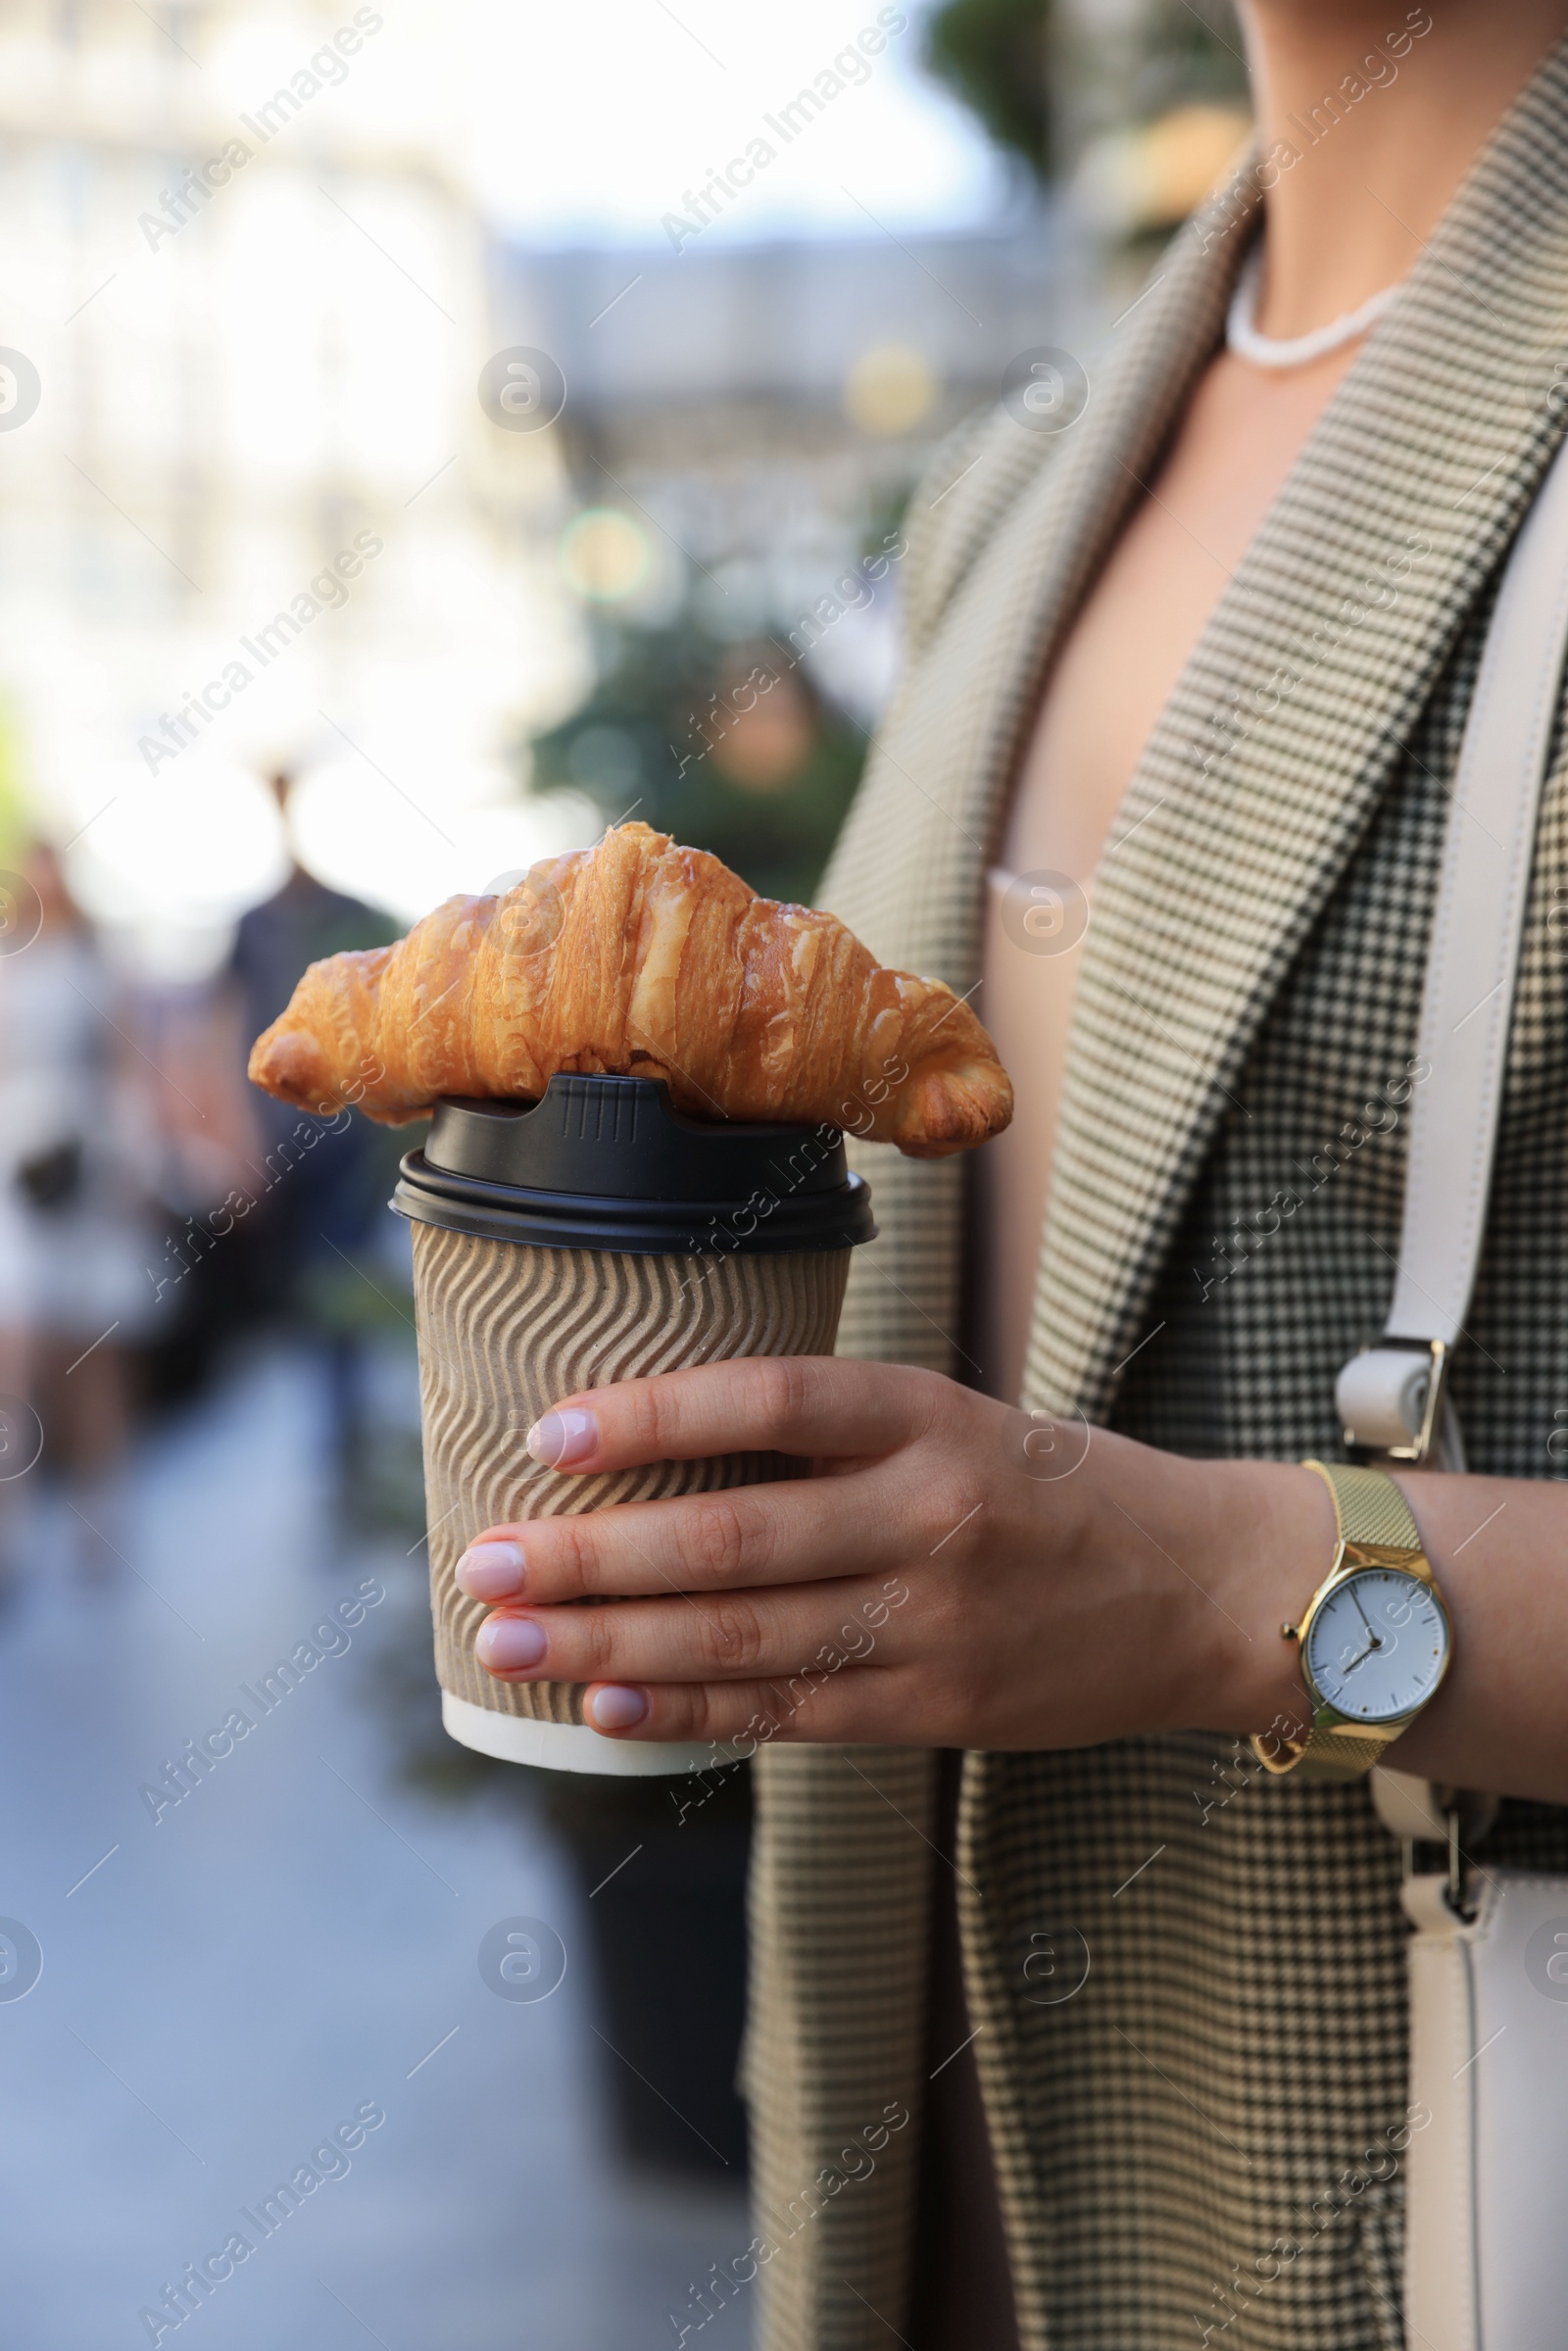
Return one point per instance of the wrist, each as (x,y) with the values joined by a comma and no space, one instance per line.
(1244,1544)
(1275,1539)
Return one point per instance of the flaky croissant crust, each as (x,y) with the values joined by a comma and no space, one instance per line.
(641,958)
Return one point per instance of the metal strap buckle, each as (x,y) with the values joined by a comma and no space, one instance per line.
(1457,1891)
(1390,1399)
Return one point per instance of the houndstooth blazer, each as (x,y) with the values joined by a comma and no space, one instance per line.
(1201,2144)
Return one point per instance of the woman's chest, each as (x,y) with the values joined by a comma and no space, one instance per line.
(1104,690)
(1178,554)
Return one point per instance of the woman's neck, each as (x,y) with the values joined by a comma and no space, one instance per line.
(1371,117)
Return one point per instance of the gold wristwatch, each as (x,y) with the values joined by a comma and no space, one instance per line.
(1375,1641)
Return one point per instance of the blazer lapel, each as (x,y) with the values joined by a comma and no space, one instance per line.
(1270,757)
(1013,541)
(1004,541)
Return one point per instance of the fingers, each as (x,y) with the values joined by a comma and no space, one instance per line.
(800,1530)
(863,1708)
(803,1404)
(733,1636)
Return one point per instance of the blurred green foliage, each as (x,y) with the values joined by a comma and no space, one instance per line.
(17,821)
(1026,72)
(680,732)
(1188,55)
(994,55)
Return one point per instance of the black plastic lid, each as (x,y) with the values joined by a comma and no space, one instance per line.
(609,1163)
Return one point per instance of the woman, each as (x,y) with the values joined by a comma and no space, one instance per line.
(1211,647)
(76,1239)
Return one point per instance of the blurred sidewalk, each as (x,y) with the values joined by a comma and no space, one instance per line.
(296,1938)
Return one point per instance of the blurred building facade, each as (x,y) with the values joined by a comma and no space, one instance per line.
(252,514)
(762,408)
(744,429)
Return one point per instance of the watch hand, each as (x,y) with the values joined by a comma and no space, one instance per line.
(1374,1640)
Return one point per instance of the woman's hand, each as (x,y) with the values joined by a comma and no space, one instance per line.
(947,1571)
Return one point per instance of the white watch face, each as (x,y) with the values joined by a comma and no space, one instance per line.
(1376,1645)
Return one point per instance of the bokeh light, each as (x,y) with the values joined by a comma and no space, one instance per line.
(1151,177)
(889,389)
(168,861)
(604,555)
(406,853)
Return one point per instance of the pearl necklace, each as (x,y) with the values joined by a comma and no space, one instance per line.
(1243,338)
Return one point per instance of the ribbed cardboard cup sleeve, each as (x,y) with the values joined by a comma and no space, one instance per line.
(507,1330)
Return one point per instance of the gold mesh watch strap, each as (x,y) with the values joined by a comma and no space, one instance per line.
(1369,1508)
(1338,1754)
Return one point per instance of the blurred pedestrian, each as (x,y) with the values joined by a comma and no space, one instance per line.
(318,1209)
(75,1230)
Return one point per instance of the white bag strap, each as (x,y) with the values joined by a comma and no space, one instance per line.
(1391,1396)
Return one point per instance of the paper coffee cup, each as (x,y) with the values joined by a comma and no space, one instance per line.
(597,1236)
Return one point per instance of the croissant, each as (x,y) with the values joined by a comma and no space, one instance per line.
(641,958)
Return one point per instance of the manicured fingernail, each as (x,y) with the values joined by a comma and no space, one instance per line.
(490,1571)
(563,1438)
(616,1710)
(506,1643)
